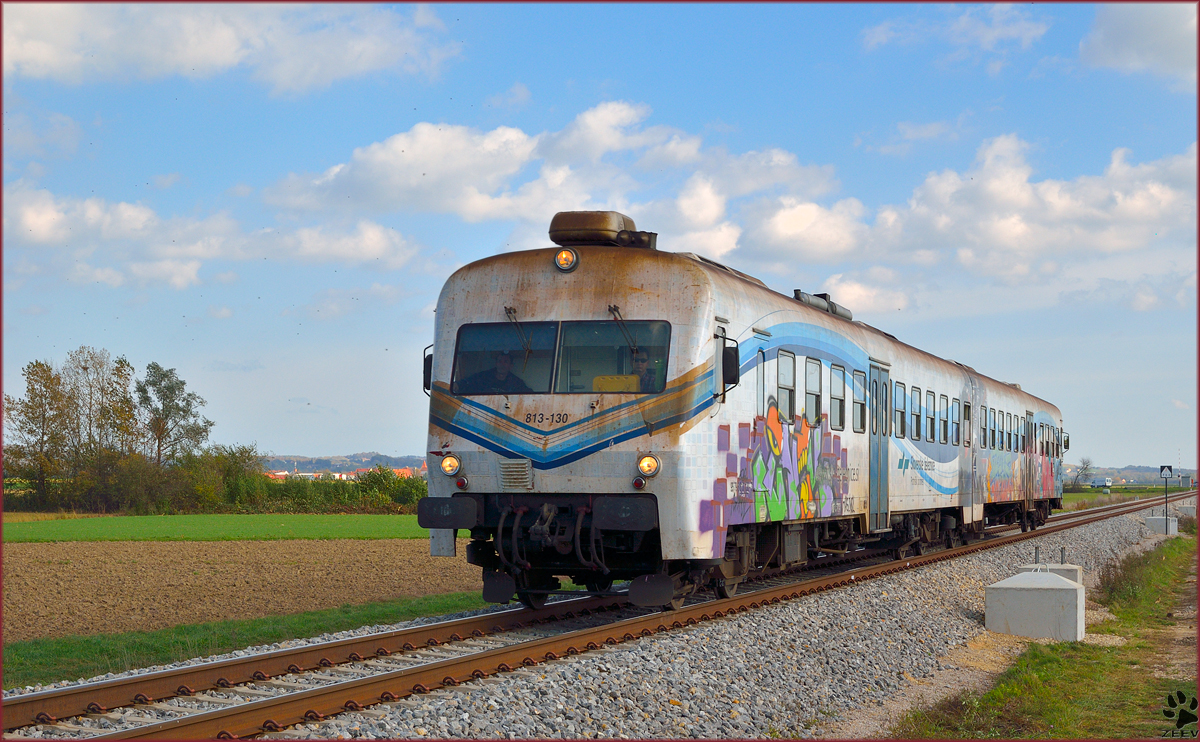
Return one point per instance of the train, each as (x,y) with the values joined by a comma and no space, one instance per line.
(602,410)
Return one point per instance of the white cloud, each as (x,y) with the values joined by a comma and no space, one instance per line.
(52,134)
(1145,37)
(860,296)
(166,181)
(431,167)
(597,161)
(291,48)
(712,243)
(1144,300)
(996,219)
(516,96)
(803,230)
(1180,404)
(220,312)
(369,243)
(135,241)
(990,31)
(178,274)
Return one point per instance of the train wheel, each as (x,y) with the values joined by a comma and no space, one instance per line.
(726,589)
(918,548)
(598,586)
(532,601)
(1024,523)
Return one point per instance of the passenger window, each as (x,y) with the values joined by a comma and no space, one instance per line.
(874,406)
(787,386)
(983,417)
(884,407)
(955,425)
(930,413)
(837,397)
(943,419)
(992,427)
(1023,441)
(860,401)
(901,403)
(967,424)
(1010,431)
(915,413)
(812,391)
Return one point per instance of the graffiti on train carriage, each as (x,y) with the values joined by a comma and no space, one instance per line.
(778,471)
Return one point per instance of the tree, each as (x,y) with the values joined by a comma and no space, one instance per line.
(102,424)
(1084,471)
(37,424)
(171,414)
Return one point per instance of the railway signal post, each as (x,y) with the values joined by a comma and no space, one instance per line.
(1165,473)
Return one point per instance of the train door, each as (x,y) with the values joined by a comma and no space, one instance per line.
(878,396)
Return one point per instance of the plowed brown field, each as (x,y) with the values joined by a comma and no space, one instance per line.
(81,588)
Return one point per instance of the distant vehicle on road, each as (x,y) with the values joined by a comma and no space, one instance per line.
(1102,482)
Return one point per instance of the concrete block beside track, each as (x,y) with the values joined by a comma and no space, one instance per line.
(1158,524)
(1189,510)
(1039,605)
(1072,572)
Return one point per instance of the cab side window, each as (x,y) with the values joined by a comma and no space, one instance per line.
(967,424)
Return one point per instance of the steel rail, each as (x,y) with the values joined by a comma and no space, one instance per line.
(274,714)
(48,706)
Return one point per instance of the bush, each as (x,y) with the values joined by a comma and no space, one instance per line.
(1187,524)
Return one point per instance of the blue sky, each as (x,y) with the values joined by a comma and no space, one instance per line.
(268,198)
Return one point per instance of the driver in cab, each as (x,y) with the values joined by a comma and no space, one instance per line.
(497,380)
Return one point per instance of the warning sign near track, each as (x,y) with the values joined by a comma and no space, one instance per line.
(1165,472)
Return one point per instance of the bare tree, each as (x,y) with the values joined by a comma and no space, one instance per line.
(1084,471)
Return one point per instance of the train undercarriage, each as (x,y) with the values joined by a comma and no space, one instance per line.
(526,544)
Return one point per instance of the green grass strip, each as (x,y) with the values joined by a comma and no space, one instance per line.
(216,528)
(79,657)
(1072,690)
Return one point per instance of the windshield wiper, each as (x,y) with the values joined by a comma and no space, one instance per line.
(511,313)
(616,313)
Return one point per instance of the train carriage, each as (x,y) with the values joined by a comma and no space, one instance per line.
(602,410)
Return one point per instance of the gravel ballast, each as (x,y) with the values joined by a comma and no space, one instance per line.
(773,672)
(779,671)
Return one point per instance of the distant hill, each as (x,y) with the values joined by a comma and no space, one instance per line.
(1128,474)
(349,462)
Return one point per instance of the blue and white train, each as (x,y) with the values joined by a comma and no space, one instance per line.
(602,410)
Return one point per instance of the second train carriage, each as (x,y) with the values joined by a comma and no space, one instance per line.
(602,410)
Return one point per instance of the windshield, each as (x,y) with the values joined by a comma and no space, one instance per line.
(613,357)
(497,358)
(602,356)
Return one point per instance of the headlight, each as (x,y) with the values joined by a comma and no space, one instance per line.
(450,465)
(566,259)
(648,465)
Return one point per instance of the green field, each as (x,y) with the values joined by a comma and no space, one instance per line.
(216,528)
(50,660)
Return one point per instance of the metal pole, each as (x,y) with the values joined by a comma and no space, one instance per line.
(1164,504)
(1062,555)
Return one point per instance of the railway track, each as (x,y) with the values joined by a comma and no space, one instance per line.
(249,696)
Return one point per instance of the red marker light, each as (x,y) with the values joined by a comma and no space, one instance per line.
(639,483)
(461,483)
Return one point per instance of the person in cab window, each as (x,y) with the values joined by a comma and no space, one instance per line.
(641,369)
(497,380)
